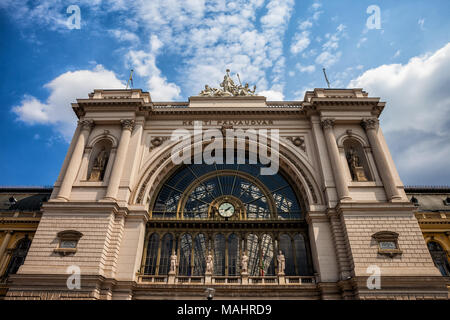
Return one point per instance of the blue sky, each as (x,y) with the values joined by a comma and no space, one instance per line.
(175,47)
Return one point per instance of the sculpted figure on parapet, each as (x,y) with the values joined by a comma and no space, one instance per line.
(173,263)
(209,263)
(228,88)
(281,263)
(244,263)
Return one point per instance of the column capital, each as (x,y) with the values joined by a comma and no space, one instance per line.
(327,123)
(370,123)
(86,124)
(127,124)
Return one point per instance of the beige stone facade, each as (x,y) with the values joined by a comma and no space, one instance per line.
(343,219)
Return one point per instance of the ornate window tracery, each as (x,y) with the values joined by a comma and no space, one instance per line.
(439,257)
(223,210)
(18,257)
(195,191)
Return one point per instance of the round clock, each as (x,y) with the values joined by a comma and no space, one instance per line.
(226,209)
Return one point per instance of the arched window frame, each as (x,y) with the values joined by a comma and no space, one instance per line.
(443,268)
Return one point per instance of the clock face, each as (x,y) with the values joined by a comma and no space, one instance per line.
(226,209)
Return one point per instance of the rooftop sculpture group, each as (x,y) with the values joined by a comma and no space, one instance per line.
(228,89)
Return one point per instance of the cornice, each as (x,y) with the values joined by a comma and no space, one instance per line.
(90,207)
(363,208)
(235,111)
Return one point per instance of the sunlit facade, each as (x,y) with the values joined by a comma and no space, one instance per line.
(129,222)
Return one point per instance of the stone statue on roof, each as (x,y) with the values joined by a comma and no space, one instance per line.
(228,88)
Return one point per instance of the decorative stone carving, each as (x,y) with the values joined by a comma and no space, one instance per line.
(86,124)
(327,123)
(157,141)
(354,163)
(224,128)
(99,166)
(127,124)
(173,263)
(387,243)
(68,241)
(244,263)
(281,263)
(298,142)
(371,123)
(209,263)
(228,88)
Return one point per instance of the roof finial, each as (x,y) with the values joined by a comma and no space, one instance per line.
(326,78)
(130,80)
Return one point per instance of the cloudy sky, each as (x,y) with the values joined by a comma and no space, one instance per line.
(50,56)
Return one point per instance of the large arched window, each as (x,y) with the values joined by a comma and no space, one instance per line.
(196,192)
(439,257)
(18,256)
(226,210)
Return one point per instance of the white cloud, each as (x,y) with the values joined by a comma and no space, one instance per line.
(144,64)
(361,41)
(421,23)
(207,36)
(397,53)
(300,42)
(64,90)
(329,56)
(305,25)
(272,95)
(416,119)
(327,59)
(316,5)
(123,35)
(308,69)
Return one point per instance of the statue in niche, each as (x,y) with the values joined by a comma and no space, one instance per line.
(244,263)
(209,263)
(99,165)
(173,263)
(354,163)
(281,263)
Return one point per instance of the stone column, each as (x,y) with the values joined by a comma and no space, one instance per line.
(333,151)
(116,174)
(384,169)
(4,245)
(75,160)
